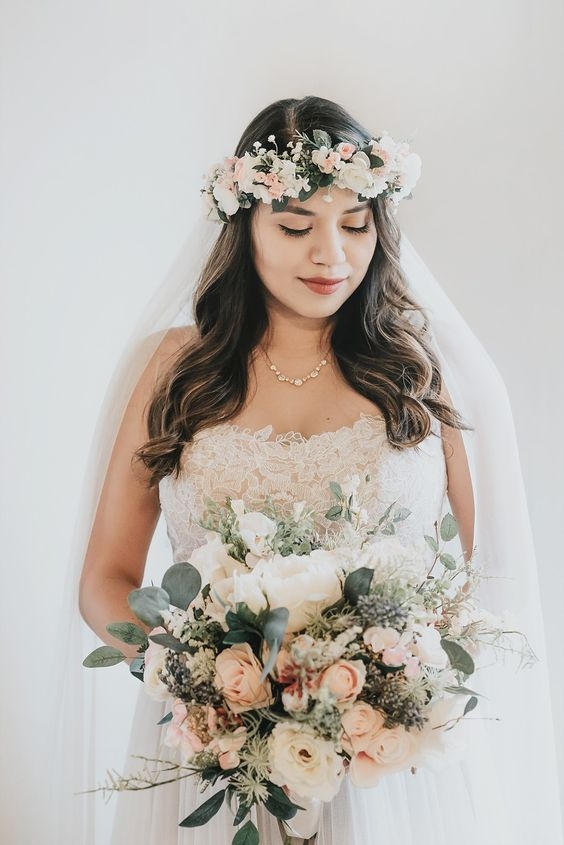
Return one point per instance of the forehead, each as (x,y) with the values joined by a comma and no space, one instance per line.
(343,201)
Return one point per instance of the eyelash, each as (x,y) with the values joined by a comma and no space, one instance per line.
(299,233)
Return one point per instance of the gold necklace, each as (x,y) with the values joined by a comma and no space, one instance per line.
(297,382)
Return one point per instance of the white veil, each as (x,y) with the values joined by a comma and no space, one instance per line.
(523,737)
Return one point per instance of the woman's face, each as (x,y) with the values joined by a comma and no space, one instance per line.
(299,250)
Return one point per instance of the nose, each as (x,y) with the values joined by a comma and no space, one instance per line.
(327,247)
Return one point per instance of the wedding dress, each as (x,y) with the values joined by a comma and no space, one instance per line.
(460,803)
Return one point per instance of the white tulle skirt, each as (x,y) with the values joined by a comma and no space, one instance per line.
(461,803)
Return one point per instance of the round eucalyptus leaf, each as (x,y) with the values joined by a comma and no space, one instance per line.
(182,582)
(147,603)
(449,527)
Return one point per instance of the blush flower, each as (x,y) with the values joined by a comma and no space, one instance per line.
(238,679)
(345,680)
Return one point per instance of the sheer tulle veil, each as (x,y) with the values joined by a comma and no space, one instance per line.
(516,709)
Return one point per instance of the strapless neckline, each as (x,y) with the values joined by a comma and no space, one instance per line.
(266,434)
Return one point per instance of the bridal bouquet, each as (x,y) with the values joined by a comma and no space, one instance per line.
(288,657)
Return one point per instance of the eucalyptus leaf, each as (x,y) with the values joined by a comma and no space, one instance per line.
(245,613)
(136,667)
(168,641)
(322,139)
(205,811)
(447,561)
(401,514)
(127,632)
(280,205)
(334,512)
(388,529)
(461,690)
(336,490)
(432,543)
(165,719)
(106,655)
(246,835)
(471,704)
(147,603)
(449,527)
(458,656)
(182,582)
(357,584)
(273,630)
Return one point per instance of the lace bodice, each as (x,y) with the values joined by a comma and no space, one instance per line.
(226,460)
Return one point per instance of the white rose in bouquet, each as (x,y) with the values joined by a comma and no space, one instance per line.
(305,584)
(257,532)
(213,561)
(155,656)
(304,762)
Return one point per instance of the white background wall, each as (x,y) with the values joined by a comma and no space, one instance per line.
(110,111)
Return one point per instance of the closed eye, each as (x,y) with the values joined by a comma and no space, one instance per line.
(298,233)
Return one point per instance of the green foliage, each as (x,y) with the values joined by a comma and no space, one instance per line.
(168,641)
(449,528)
(128,633)
(279,805)
(247,835)
(182,582)
(471,704)
(106,655)
(357,584)
(136,668)
(273,630)
(458,656)
(147,603)
(165,719)
(205,811)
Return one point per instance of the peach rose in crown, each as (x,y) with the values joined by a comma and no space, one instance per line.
(345,680)
(238,679)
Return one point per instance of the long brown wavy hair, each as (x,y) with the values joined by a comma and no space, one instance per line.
(379,338)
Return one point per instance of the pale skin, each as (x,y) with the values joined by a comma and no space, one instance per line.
(336,240)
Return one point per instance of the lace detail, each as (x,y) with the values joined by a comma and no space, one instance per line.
(226,460)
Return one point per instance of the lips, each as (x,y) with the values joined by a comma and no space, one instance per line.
(321,280)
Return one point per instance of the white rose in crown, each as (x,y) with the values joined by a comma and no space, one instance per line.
(304,762)
(226,199)
(356,174)
(305,584)
(257,532)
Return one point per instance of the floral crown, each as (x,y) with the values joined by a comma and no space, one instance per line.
(377,166)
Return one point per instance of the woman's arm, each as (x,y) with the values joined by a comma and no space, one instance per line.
(459,481)
(127,512)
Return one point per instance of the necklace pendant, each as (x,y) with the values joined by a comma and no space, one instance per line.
(298,382)
(280,378)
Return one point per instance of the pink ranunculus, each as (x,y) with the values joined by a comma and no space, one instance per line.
(412,667)
(381,638)
(346,150)
(396,656)
(345,680)
(228,745)
(179,734)
(361,724)
(238,679)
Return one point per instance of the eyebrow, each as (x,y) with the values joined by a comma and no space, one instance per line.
(296,209)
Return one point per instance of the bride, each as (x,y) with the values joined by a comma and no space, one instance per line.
(311,359)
